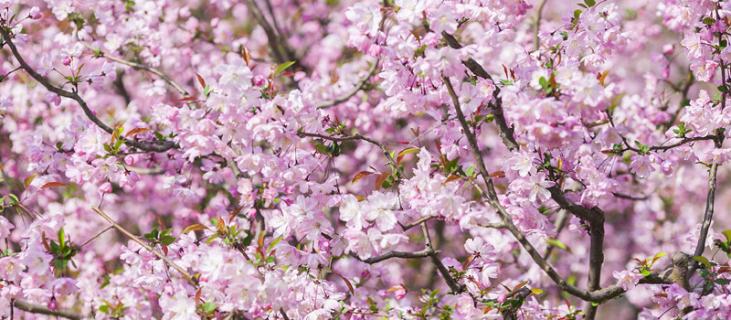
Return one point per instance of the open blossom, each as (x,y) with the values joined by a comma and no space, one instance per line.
(627,279)
(357,159)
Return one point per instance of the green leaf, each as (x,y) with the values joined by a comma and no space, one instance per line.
(274,243)
(590,3)
(470,171)
(727,234)
(152,235)
(577,15)
(208,307)
(14,201)
(284,66)
(167,239)
(61,238)
(704,261)
(657,257)
(557,243)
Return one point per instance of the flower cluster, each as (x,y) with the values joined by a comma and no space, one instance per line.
(343,159)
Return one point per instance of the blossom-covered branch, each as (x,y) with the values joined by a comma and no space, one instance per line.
(156,146)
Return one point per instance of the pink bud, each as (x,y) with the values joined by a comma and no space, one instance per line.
(35,13)
(668,49)
(106,187)
(259,81)
(52,304)
(66,61)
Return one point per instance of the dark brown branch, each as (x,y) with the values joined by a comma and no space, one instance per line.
(158,146)
(398,254)
(595,218)
(707,215)
(629,197)
(121,89)
(505,131)
(593,215)
(599,295)
(38,309)
(453,285)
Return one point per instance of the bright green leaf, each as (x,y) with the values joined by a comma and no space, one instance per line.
(284,66)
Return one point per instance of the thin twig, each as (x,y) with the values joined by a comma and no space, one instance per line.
(415,223)
(156,72)
(361,84)
(560,224)
(134,238)
(536,34)
(96,236)
(453,285)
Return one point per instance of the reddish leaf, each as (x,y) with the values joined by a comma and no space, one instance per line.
(381,178)
(360,175)
(498,174)
(201,81)
(246,55)
(28,180)
(135,132)
(347,282)
(53,184)
(194,227)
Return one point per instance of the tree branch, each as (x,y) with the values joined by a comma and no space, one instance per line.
(595,218)
(157,146)
(453,284)
(398,254)
(38,309)
(598,295)
(349,138)
(707,215)
(539,16)
(505,131)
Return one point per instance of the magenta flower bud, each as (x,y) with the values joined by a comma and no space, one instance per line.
(259,80)
(53,304)
(35,13)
